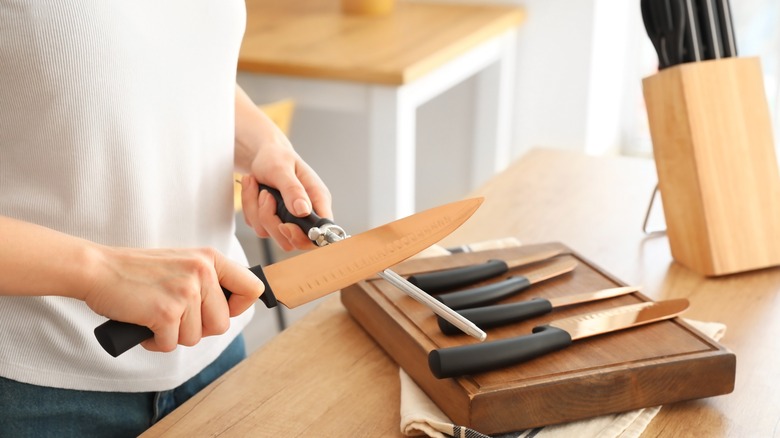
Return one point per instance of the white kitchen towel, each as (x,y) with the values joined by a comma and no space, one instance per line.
(421,417)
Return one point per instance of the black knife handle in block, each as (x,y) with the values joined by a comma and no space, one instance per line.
(498,315)
(440,281)
(486,356)
(480,296)
(305,223)
(117,337)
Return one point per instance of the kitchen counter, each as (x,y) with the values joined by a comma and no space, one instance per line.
(324,376)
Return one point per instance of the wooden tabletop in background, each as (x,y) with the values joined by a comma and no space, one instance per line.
(312,38)
(326,377)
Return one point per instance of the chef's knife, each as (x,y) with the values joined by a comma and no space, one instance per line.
(446,279)
(316,273)
(323,232)
(558,334)
(502,314)
(491,293)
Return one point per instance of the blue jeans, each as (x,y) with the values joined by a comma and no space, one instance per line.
(38,411)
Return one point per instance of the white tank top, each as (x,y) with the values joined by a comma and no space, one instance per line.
(117,126)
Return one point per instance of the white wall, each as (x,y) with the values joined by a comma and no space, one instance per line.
(560,81)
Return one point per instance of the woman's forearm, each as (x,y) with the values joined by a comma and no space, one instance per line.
(36,260)
(253,129)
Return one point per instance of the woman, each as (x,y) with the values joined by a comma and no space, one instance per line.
(120,127)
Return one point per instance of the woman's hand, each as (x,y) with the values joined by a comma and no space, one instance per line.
(174,292)
(265,154)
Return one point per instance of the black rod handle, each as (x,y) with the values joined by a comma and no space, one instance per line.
(447,279)
(480,296)
(305,223)
(486,356)
(498,315)
(116,337)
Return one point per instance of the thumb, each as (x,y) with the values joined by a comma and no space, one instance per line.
(294,195)
(245,287)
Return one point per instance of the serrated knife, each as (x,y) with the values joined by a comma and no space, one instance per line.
(502,314)
(314,274)
(558,334)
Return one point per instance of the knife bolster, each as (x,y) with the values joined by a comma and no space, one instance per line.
(268,298)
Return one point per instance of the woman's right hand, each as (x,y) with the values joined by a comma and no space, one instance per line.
(174,292)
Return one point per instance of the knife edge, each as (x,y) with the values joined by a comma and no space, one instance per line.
(551,269)
(568,300)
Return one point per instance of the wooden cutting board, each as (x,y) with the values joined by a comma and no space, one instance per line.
(646,366)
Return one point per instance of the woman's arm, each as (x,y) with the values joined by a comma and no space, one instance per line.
(174,292)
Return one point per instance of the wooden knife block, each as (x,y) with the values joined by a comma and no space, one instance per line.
(716,164)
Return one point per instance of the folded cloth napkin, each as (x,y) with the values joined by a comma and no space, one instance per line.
(420,416)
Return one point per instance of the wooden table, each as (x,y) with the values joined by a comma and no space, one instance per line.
(387,67)
(325,377)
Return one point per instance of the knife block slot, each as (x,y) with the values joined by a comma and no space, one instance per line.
(717,169)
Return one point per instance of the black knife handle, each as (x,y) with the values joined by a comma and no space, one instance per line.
(479,296)
(486,356)
(498,315)
(440,281)
(116,337)
(305,223)
(728,39)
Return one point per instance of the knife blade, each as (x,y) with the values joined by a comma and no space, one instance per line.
(491,293)
(502,314)
(558,334)
(447,279)
(311,275)
(323,232)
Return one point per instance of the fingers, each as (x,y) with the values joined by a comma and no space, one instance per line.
(318,192)
(194,306)
(260,214)
(244,286)
(300,191)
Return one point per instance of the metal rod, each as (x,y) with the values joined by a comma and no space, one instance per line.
(437,306)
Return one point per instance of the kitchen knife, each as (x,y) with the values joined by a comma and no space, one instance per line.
(323,232)
(558,334)
(693,44)
(491,293)
(727,37)
(710,29)
(664,22)
(316,273)
(502,314)
(447,279)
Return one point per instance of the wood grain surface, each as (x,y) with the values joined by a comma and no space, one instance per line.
(313,38)
(324,376)
(643,367)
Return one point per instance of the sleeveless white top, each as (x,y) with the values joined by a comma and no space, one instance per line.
(117,126)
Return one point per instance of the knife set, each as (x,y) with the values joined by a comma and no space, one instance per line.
(717,170)
(540,363)
(712,140)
